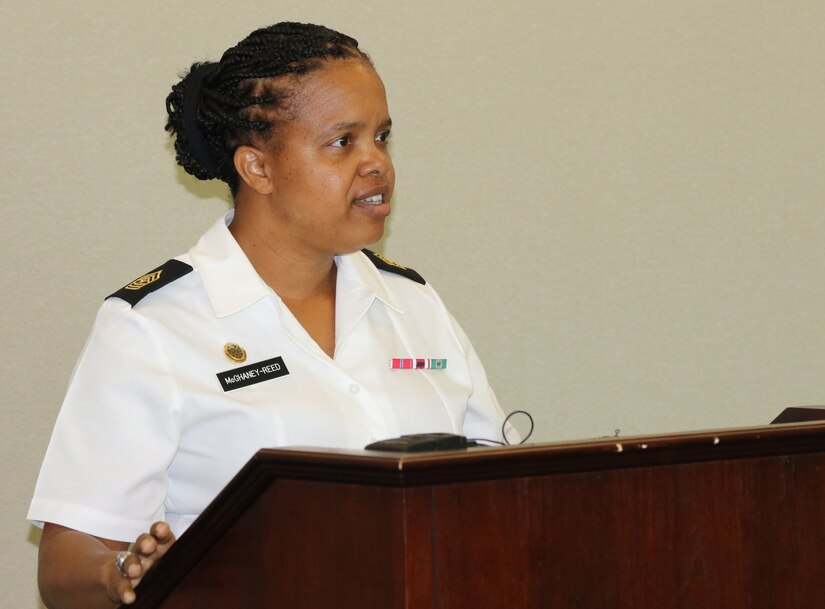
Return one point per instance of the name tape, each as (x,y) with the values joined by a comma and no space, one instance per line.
(252,374)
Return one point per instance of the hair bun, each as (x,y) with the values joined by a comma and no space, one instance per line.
(193,150)
(191,103)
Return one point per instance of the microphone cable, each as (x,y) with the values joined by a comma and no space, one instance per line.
(506,442)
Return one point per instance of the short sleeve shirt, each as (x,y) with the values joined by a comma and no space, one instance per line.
(173,395)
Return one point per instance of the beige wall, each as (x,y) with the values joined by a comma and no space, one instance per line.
(621,201)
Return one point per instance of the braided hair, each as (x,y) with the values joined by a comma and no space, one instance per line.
(217,107)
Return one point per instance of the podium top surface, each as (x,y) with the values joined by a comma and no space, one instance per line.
(414,469)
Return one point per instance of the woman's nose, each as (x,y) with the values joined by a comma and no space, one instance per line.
(376,161)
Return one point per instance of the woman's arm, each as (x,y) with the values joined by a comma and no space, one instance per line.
(77,570)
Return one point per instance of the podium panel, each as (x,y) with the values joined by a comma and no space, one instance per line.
(730,518)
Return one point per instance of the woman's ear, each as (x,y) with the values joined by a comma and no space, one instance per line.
(250,163)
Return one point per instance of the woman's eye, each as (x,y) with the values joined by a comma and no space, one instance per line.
(382,137)
(342,141)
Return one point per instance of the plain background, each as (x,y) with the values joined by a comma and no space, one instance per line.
(619,200)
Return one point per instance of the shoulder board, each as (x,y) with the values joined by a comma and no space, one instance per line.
(155,279)
(385,264)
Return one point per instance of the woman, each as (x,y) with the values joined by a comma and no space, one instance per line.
(274,329)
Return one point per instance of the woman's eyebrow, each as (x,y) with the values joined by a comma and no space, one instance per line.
(347,126)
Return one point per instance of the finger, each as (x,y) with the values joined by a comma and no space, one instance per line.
(145,545)
(120,587)
(132,566)
(147,550)
(124,591)
(161,531)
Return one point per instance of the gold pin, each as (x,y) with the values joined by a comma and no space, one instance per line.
(234,352)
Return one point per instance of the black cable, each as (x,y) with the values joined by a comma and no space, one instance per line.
(504,427)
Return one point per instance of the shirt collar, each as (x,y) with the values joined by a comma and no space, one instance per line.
(356,272)
(230,280)
(232,284)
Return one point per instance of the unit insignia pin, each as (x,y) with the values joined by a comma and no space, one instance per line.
(234,352)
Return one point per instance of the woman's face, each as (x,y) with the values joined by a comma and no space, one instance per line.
(332,173)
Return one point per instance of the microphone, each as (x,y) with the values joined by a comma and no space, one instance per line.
(422,442)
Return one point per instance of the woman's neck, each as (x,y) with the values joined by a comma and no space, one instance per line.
(303,279)
(293,271)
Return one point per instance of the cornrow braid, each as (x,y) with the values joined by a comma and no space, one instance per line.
(217,107)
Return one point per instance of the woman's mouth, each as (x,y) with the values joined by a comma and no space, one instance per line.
(376,206)
(374,200)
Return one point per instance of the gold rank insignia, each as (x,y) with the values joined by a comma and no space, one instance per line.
(142,282)
(391,266)
(234,352)
(152,281)
(388,261)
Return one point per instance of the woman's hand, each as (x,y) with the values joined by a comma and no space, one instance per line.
(80,571)
(145,552)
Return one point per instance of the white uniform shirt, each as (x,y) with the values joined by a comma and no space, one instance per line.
(147,431)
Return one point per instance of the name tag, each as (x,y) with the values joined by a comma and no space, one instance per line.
(252,374)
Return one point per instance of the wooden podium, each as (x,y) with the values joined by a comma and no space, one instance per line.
(729,519)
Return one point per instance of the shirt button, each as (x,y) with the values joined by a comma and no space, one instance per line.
(354,388)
